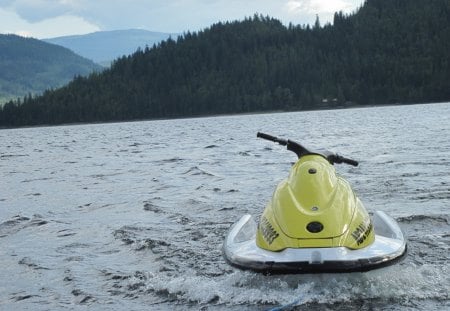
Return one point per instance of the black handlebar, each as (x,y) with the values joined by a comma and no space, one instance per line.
(340,159)
(282,142)
(300,151)
(351,162)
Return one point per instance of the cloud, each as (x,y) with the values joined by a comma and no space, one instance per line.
(38,10)
(5,3)
(165,15)
(317,6)
(305,11)
(48,28)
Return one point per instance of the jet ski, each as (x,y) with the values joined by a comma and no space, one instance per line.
(314,223)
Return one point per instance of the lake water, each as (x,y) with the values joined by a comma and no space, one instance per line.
(132,216)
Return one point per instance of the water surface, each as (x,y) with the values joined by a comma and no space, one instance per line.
(132,216)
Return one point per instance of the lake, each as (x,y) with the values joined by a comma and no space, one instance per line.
(132,216)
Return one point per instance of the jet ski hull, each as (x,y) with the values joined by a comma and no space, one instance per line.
(241,251)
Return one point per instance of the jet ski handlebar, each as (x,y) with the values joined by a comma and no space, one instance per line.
(291,145)
(300,151)
(338,159)
(281,141)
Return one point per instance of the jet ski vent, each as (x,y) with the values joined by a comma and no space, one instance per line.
(314,227)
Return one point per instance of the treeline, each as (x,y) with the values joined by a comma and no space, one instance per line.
(29,65)
(389,51)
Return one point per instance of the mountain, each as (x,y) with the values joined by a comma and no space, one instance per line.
(388,52)
(31,66)
(104,46)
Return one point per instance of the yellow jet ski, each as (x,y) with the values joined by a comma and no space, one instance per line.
(314,223)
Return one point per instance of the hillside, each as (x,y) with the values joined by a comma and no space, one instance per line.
(31,66)
(105,46)
(390,51)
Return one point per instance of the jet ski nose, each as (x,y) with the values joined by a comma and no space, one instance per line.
(316,258)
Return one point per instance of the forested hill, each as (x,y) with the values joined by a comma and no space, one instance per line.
(389,51)
(29,65)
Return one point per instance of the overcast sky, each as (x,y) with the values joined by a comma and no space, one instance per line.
(53,18)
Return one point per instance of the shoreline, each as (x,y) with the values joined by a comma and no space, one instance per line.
(222,115)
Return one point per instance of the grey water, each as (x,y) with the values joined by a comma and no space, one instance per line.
(132,216)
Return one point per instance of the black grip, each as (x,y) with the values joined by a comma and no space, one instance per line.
(338,159)
(267,136)
(281,141)
(350,161)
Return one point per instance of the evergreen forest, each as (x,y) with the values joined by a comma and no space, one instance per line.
(387,52)
(30,66)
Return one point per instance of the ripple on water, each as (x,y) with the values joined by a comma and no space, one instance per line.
(17,223)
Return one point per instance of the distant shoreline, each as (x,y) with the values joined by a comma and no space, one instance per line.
(222,115)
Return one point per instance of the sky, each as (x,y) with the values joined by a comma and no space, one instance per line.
(53,18)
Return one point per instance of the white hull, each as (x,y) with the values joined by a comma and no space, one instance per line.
(240,250)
